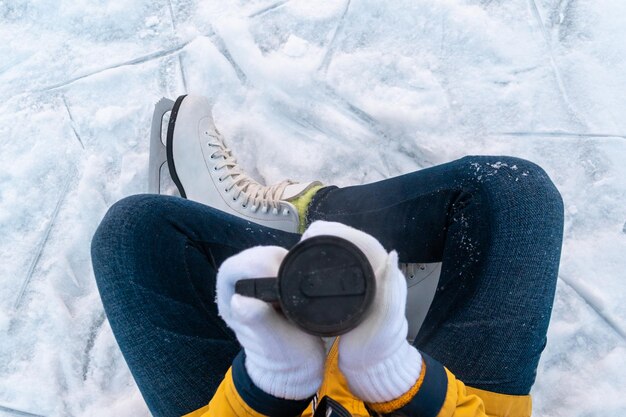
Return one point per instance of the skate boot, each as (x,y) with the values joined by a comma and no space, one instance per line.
(422,280)
(205,170)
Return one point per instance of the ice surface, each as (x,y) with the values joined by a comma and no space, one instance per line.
(342,91)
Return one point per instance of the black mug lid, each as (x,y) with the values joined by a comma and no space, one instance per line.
(326,284)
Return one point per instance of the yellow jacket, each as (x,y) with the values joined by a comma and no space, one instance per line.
(437,393)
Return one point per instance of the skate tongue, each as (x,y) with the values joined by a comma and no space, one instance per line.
(293,191)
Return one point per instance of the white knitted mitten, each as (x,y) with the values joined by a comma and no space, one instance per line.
(281,359)
(375,357)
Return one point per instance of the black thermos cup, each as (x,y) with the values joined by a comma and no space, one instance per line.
(325,285)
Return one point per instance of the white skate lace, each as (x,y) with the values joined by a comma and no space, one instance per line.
(254,194)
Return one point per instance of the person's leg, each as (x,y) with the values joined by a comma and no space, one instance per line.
(155,259)
(496,224)
(485,221)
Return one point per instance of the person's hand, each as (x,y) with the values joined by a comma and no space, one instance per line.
(375,357)
(281,359)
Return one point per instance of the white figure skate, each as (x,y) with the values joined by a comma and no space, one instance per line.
(205,170)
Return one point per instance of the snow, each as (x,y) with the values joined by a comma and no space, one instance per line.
(347,92)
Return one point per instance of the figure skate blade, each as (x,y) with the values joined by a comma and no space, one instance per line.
(158,155)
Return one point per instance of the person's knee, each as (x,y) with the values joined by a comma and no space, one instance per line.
(127,225)
(514,180)
(123,218)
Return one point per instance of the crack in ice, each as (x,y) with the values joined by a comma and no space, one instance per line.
(561,134)
(137,61)
(17,412)
(555,69)
(72,122)
(43,242)
(610,321)
(268,8)
(175,31)
(330,49)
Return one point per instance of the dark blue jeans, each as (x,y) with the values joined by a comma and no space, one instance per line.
(495,223)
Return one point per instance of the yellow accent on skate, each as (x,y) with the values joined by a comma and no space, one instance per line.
(302,202)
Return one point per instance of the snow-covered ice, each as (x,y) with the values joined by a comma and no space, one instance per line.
(345,91)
